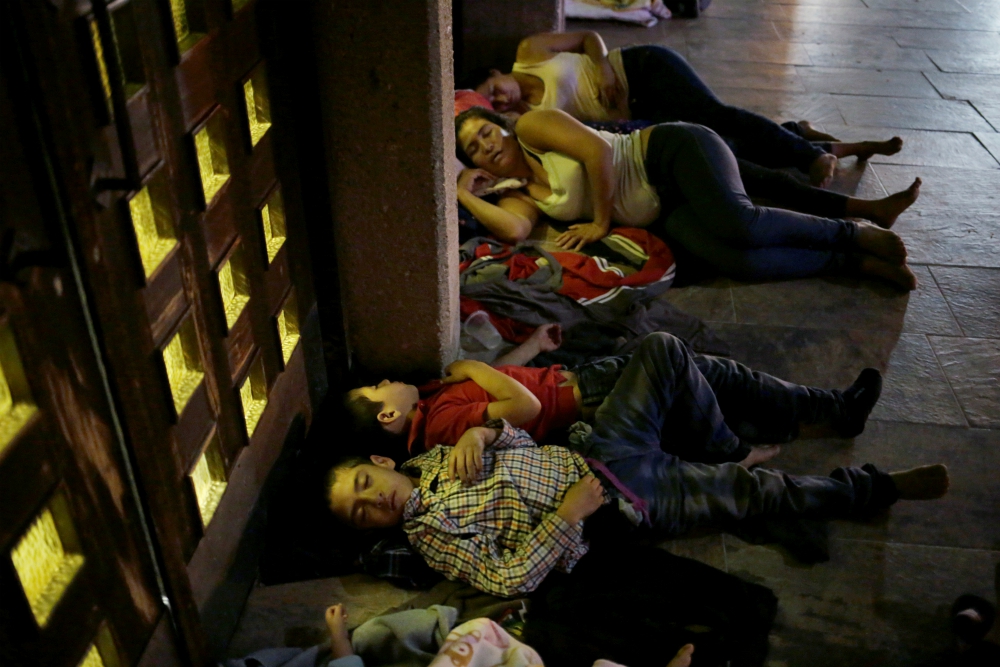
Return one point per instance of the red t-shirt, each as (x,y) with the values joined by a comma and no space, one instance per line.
(446,411)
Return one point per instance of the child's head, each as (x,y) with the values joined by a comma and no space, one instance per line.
(367,492)
(381,408)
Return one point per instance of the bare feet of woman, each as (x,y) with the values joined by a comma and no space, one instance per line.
(922,483)
(899,275)
(760,453)
(810,133)
(881,242)
(336,623)
(822,169)
(865,149)
(683,657)
(883,212)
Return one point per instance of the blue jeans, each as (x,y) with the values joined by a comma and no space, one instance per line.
(663,407)
(709,214)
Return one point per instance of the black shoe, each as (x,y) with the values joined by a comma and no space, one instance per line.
(859,400)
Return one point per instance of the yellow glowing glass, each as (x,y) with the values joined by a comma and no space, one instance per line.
(239,4)
(253,394)
(209,479)
(16,406)
(102,67)
(93,658)
(273,217)
(154,230)
(288,327)
(46,560)
(186,35)
(210,146)
(258,106)
(102,652)
(183,363)
(234,286)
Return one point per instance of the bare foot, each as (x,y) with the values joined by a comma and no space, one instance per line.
(883,212)
(336,623)
(922,483)
(683,657)
(810,133)
(822,169)
(899,275)
(881,242)
(760,453)
(865,149)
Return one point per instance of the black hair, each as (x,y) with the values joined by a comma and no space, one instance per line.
(364,413)
(344,462)
(485,114)
(474,78)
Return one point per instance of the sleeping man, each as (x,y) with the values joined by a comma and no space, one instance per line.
(500,512)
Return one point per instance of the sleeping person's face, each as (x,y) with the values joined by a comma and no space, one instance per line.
(371,495)
(502,90)
(488,145)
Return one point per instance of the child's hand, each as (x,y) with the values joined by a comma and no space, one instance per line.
(465,461)
(683,657)
(461,370)
(547,337)
(336,623)
(583,499)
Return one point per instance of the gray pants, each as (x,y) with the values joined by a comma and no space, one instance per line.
(654,393)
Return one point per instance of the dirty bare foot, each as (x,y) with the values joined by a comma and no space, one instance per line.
(683,657)
(759,454)
(822,169)
(810,133)
(922,482)
(881,242)
(883,212)
(865,149)
(899,275)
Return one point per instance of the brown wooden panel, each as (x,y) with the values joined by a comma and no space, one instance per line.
(165,299)
(194,424)
(262,178)
(277,281)
(220,229)
(241,38)
(241,345)
(146,149)
(195,81)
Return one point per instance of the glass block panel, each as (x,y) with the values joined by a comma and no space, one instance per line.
(47,558)
(102,66)
(273,217)
(234,285)
(258,106)
(102,653)
(288,327)
(183,362)
(92,658)
(209,479)
(187,18)
(16,406)
(210,145)
(154,227)
(253,394)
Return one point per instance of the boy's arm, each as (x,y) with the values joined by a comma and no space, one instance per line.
(514,402)
(545,338)
(465,460)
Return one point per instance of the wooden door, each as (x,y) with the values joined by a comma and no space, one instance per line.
(187,219)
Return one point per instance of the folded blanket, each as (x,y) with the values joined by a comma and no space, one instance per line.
(642,12)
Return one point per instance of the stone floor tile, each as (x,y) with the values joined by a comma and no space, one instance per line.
(969,63)
(818,33)
(877,83)
(923,148)
(783,106)
(967,191)
(990,110)
(917,114)
(935,237)
(973,369)
(949,6)
(991,140)
(963,41)
(927,311)
(872,604)
(712,301)
(915,388)
(714,27)
(882,55)
(708,549)
(759,76)
(889,18)
(750,51)
(973,87)
(974,297)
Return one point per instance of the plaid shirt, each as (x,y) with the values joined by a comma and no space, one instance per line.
(500,534)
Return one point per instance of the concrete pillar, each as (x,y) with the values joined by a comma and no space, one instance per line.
(491,29)
(386,87)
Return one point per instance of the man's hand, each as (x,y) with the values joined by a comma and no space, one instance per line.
(462,370)
(583,499)
(547,337)
(465,461)
(580,235)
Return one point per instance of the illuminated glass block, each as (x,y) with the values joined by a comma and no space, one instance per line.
(184,24)
(210,145)
(273,217)
(92,658)
(234,286)
(209,479)
(253,394)
(154,229)
(288,327)
(102,652)
(258,106)
(102,66)
(16,406)
(183,363)
(239,4)
(47,558)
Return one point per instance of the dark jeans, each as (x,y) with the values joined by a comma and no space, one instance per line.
(663,407)
(786,191)
(664,88)
(711,216)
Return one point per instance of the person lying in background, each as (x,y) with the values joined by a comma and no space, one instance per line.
(685,171)
(575,72)
(748,410)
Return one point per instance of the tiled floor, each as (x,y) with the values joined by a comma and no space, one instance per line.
(929,71)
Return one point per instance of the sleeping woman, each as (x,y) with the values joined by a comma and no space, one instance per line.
(684,171)
(575,72)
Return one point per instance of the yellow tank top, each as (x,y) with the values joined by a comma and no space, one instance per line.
(572,84)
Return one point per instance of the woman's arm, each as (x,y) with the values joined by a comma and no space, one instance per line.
(510,220)
(541,47)
(555,130)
